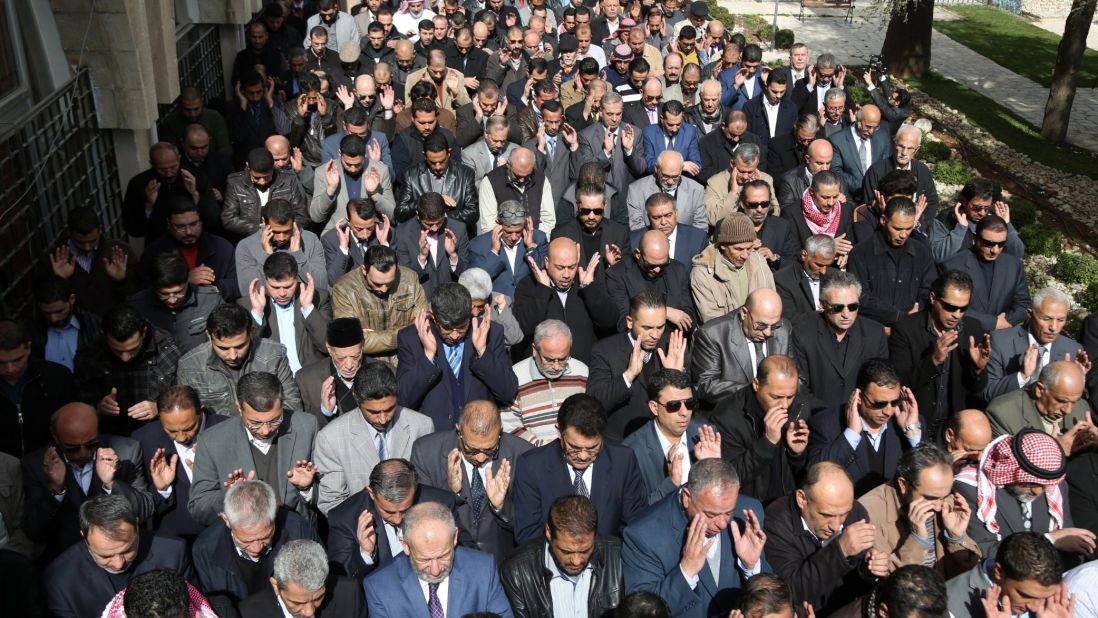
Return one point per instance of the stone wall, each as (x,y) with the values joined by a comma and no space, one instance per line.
(1046,8)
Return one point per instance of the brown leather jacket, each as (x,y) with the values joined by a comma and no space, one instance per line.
(381,318)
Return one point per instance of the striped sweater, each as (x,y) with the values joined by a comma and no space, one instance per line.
(533,413)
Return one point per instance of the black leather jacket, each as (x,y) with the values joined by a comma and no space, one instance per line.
(458,183)
(240,209)
(526,580)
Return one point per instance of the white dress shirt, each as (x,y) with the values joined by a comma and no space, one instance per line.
(443,592)
(771,112)
(1042,360)
(665,446)
(671,241)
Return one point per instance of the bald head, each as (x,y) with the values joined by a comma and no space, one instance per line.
(277,145)
(653,87)
(818,156)
(764,301)
(654,247)
(870,113)
(828,481)
(436,59)
(74,425)
(405,51)
(562,262)
(480,418)
(670,163)
(968,431)
(712,87)
(522,161)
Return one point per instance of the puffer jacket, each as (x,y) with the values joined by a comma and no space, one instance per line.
(711,282)
(384,317)
(240,209)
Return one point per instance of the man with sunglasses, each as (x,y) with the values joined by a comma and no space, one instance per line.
(880,420)
(80,463)
(581,462)
(941,352)
(589,225)
(1000,295)
(954,230)
(727,271)
(266,441)
(476,461)
(669,444)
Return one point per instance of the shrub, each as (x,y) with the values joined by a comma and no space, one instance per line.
(1088,297)
(1076,268)
(1040,240)
(952,171)
(764,33)
(1022,212)
(785,38)
(716,11)
(934,152)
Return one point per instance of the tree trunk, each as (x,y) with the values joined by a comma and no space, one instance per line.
(906,47)
(1066,72)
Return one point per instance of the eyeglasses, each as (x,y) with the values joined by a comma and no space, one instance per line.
(880,405)
(756,205)
(654,267)
(257,425)
(490,453)
(675,405)
(836,309)
(951,308)
(991,243)
(591,211)
(576,450)
(72,449)
(763,326)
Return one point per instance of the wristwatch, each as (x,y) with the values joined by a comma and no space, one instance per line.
(912,427)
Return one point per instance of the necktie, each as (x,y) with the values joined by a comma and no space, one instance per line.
(255,114)
(477,494)
(434,605)
(862,154)
(930,557)
(380,443)
(578,486)
(453,356)
(550,146)
(1042,359)
(760,354)
(671,143)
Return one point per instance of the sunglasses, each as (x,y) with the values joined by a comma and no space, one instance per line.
(591,211)
(677,404)
(951,308)
(73,449)
(835,309)
(756,205)
(991,243)
(880,405)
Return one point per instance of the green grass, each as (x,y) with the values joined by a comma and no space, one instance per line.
(1013,43)
(1004,125)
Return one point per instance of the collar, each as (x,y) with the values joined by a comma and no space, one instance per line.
(551,565)
(74,324)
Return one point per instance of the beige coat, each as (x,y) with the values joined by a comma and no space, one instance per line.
(893,536)
(449,100)
(381,318)
(710,282)
(719,202)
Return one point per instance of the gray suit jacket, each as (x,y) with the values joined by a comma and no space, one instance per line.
(966,591)
(689,200)
(721,362)
(652,460)
(325,211)
(346,454)
(225,448)
(621,169)
(1016,410)
(558,170)
(478,158)
(846,161)
(1008,346)
(437,272)
(494,532)
(1007,292)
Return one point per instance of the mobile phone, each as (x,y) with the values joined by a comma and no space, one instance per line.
(796,416)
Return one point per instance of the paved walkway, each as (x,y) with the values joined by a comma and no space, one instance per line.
(854,43)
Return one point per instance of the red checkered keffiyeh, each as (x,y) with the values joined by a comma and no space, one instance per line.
(818,222)
(199,605)
(1000,466)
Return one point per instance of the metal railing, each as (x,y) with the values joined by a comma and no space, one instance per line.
(199,52)
(55,159)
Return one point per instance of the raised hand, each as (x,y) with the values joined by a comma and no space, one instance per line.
(908,413)
(608,143)
(708,445)
(331,176)
(538,273)
(306,292)
(569,135)
(1082,360)
(143,411)
(627,138)
(295,239)
(1059,605)
(426,335)
(842,245)
(853,417)
(382,230)
(920,204)
(297,160)
(152,192)
(980,353)
(956,514)
(959,215)
(749,543)
(697,546)
(613,254)
(1029,361)
(373,151)
(240,97)
(1003,210)
(774,423)
(108,405)
(257,296)
(918,512)
(587,275)
(301,475)
(266,239)
(162,469)
(343,232)
(796,437)
(115,264)
(343,94)
(328,394)
(236,476)
(54,468)
(62,262)
(990,601)
(946,343)
(675,358)
(106,465)
(528,235)
(424,247)
(454,470)
(497,238)
(480,332)
(856,538)
(366,533)
(449,243)
(497,483)
(302,104)
(386,96)
(201,275)
(674,465)
(636,362)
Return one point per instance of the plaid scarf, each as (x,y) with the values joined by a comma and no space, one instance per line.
(1041,462)
(818,222)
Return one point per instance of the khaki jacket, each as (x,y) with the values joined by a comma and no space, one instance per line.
(719,202)
(710,282)
(893,536)
(381,318)
(450,101)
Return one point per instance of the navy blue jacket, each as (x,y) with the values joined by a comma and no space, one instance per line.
(474,586)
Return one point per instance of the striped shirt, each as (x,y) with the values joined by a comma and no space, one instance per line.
(533,414)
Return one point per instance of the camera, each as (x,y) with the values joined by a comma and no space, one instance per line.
(877,67)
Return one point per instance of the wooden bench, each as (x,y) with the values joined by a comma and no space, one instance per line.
(829,4)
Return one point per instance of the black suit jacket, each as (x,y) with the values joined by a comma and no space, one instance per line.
(1082,482)
(826,442)
(613,233)
(437,272)
(343,552)
(716,152)
(796,293)
(782,155)
(1088,336)
(635,114)
(890,288)
(48,386)
(213,251)
(573,115)
(827,377)
(758,124)
(343,597)
(587,312)
(911,348)
(1008,514)
(1007,292)
(172,517)
(626,406)
(624,281)
(76,587)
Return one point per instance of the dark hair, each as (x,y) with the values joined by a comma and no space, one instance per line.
(645,300)
(260,390)
(954,279)
(758,183)
(552,106)
(588,66)
(826,178)
(583,413)
(573,515)
(991,223)
(643,604)
(877,371)
(280,266)
(435,142)
(228,319)
(430,206)
(355,117)
(393,479)
(107,513)
(83,220)
(914,591)
(765,594)
(50,288)
(179,396)
(738,39)
(122,322)
(251,78)
(451,304)
(898,182)
(309,82)
(365,209)
(424,104)
(422,90)
(753,53)
(13,334)
(901,204)
(979,188)
(672,107)
(544,86)
(1029,556)
(161,593)
(924,456)
(537,65)
(777,77)
(178,205)
(665,378)
(352,146)
(168,269)
(688,32)
(374,381)
(278,210)
(639,65)
(260,160)
(658,198)
(583,10)
(380,258)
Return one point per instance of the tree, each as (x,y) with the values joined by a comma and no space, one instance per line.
(906,46)
(1069,56)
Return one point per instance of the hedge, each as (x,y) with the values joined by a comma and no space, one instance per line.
(1076,268)
(1040,240)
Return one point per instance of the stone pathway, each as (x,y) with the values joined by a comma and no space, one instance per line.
(854,43)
